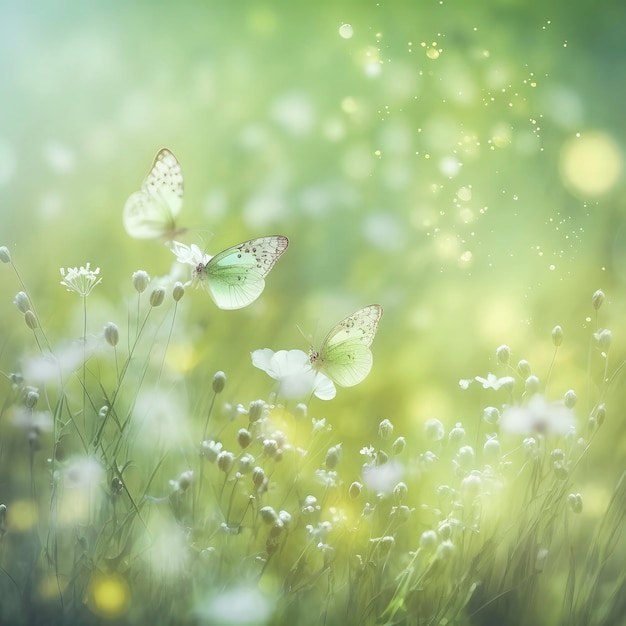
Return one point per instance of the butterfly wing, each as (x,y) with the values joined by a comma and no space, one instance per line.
(151,213)
(345,355)
(236,277)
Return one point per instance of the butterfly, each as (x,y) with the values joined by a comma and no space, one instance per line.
(345,356)
(151,213)
(235,277)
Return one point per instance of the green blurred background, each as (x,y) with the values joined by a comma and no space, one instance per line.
(460,163)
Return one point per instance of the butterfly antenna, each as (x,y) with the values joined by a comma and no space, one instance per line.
(309,339)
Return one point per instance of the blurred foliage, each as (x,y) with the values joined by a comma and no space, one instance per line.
(426,162)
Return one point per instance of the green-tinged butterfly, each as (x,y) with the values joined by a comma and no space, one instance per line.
(151,212)
(234,277)
(345,356)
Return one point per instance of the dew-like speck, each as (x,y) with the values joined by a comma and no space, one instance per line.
(346,31)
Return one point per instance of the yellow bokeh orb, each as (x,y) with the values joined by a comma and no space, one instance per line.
(591,164)
(108,595)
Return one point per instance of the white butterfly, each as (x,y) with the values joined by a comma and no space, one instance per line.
(345,356)
(151,213)
(234,277)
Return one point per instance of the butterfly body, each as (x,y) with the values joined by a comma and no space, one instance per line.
(345,356)
(151,212)
(235,277)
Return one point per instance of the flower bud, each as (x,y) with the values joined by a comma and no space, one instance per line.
(21,301)
(457,434)
(600,414)
(178,291)
(31,399)
(532,384)
(385,429)
(270,447)
(355,490)
(399,492)
(111,334)
(523,368)
(255,412)
(604,337)
(157,296)
(466,457)
(5,255)
(491,449)
(225,461)
(470,487)
(575,502)
(219,382)
(445,550)
(333,456)
(531,447)
(244,438)
(429,540)
(434,430)
(246,462)
(210,450)
(258,476)
(491,415)
(301,411)
(140,280)
(268,514)
(557,336)
(184,480)
(503,354)
(570,398)
(597,300)
(445,531)
(31,320)
(398,446)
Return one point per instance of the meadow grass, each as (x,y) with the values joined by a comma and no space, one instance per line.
(121,504)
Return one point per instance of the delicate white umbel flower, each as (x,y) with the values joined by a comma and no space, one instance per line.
(538,416)
(292,369)
(491,382)
(80,280)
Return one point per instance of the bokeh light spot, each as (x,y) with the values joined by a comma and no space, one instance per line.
(108,595)
(591,164)
(21,515)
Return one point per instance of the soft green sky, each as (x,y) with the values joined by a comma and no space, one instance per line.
(459,163)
